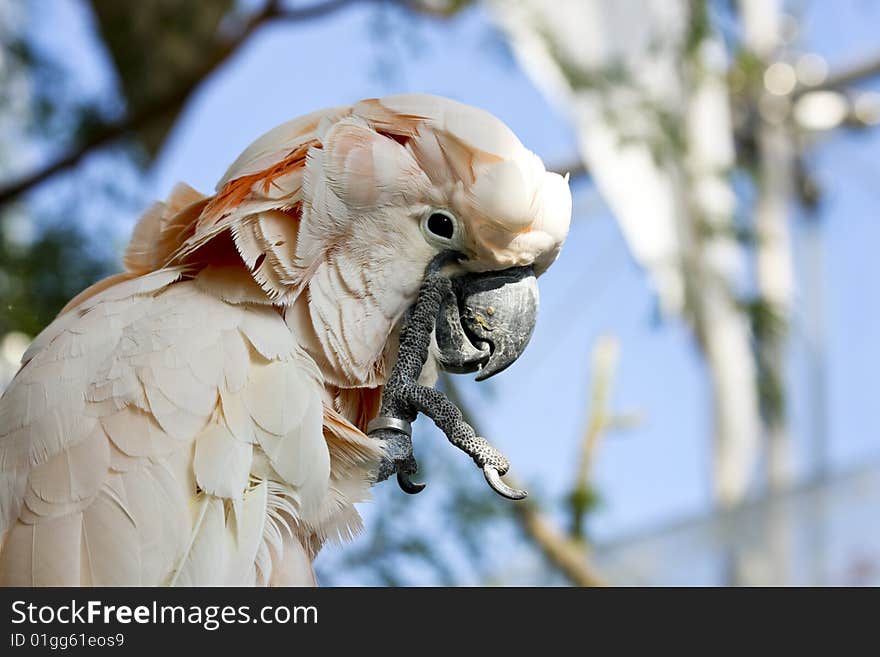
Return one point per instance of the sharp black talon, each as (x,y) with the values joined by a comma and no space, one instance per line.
(409,486)
(494,480)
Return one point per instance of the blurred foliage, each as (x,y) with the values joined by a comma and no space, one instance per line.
(768,324)
(581,502)
(38,279)
(43,263)
(699,27)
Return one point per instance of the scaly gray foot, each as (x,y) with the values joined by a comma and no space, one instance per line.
(403,398)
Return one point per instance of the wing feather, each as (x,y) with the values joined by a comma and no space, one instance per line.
(205,559)
(111,554)
(222,464)
(143,434)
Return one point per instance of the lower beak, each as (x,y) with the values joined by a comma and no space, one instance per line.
(489,322)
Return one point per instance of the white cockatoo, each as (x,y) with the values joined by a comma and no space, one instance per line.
(200,418)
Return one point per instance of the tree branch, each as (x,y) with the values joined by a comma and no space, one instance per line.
(274,10)
(604,363)
(856,74)
(568,556)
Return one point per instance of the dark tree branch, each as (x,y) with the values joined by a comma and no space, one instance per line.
(274,10)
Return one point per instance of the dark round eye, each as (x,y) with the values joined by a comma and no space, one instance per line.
(441,225)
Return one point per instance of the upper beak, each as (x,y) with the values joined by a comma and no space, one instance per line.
(490,324)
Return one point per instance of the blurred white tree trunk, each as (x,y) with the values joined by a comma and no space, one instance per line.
(644,84)
(761,36)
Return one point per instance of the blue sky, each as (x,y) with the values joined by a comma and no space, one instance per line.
(658,471)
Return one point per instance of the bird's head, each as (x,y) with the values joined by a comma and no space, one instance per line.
(339,213)
(449,177)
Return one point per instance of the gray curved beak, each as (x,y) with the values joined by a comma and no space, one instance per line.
(489,322)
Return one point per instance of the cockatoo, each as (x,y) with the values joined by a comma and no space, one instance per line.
(200,419)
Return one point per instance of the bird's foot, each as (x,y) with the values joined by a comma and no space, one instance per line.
(397,458)
(398,441)
(403,397)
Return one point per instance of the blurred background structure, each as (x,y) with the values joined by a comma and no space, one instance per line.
(697,405)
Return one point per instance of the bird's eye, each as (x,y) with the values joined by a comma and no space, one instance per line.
(441,225)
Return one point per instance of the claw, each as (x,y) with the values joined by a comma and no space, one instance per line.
(494,480)
(407,485)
